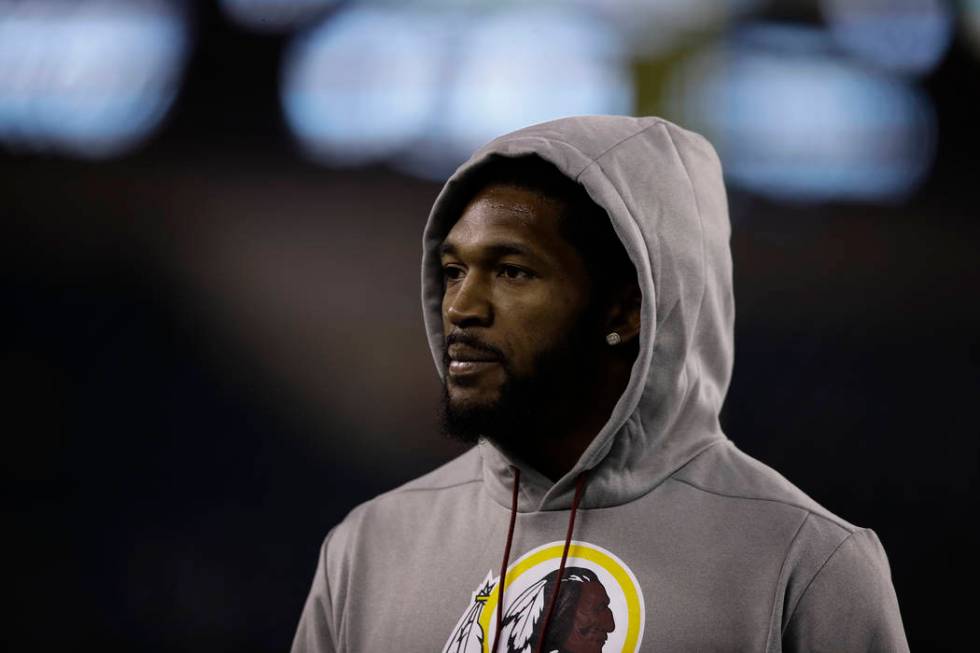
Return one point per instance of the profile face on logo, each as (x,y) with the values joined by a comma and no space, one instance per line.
(591,622)
(599,605)
(581,622)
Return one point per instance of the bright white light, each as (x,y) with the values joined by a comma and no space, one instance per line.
(793,121)
(905,36)
(653,28)
(644,27)
(363,84)
(519,67)
(274,15)
(91,79)
(422,90)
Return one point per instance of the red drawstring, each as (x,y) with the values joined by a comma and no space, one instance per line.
(579,487)
(503,566)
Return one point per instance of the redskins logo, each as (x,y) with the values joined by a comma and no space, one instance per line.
(599,607)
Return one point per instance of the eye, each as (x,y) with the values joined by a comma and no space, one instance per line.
(451,272)
(514,272)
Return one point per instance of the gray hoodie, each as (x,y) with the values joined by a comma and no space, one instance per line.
(680,542)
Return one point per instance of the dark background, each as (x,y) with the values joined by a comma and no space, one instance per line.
(214,349)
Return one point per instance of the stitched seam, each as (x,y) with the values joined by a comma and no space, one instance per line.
(612,147)
(697,207)
(810,583)
(779,576)
(435,489)
(696,455)
(538,138)
(342,626)
(592,161)
(781,501)
(613,506)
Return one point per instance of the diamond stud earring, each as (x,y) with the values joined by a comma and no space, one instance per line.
(613,339)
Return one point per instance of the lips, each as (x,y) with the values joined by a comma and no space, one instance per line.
(463,368)
(464,354)
(467,362)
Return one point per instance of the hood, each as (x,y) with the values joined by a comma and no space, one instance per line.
(662,188)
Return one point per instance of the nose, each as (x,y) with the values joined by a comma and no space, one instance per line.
(468,304)
(607,621)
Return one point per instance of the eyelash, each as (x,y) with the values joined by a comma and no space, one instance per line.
(523,274)
(446,271)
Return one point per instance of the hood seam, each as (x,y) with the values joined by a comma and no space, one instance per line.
(704,275)
(645,254)
(612,147)
(779,576)
(694,456)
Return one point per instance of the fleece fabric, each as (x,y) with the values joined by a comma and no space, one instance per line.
(682,542)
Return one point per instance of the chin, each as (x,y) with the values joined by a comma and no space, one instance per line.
(465,397)
(468,413)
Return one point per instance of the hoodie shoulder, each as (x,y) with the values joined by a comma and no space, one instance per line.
(461,470)
(387,518)
(834,582)
(726,471)
(464,471)
(849,604)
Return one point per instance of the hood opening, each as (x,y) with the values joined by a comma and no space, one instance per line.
(661,188)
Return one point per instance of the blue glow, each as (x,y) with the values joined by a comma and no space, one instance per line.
(88,79)
(526,66)
(274,15)
(655,28)
(910,36)
(421,90)
(363,84)
(799,123)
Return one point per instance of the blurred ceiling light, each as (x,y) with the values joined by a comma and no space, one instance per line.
(87,78)
(274,15)
(903,36)
(645,27)
(793,121)
(655,28)
(363,84)
(519,67)
(422,89)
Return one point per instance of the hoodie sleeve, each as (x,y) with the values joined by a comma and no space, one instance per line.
(850,605)
(316,631)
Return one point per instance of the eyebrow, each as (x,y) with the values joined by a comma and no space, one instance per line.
(495,250)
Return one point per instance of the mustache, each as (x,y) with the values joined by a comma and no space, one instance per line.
(469,340)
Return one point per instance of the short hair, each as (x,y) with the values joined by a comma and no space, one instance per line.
(583,223)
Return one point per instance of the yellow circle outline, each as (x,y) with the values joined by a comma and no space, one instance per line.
(584,552)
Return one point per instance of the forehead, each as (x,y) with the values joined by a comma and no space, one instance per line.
(516,212)
(594,591)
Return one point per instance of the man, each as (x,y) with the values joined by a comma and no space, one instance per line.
(576,289)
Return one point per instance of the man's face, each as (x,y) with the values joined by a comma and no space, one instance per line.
(516,292)
(593,621)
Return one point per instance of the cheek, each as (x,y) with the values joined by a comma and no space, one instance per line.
(550,309)
(528,330)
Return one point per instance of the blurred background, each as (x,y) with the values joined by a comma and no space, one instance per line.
(212,217)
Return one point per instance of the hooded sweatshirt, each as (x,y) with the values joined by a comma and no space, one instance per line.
(664,536)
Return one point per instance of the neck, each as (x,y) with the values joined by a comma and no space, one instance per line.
(573,424)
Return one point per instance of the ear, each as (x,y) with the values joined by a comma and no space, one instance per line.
(623,315)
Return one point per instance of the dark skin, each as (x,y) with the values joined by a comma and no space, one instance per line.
(515,284)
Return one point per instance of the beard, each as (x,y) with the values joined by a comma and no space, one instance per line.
(536,407)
